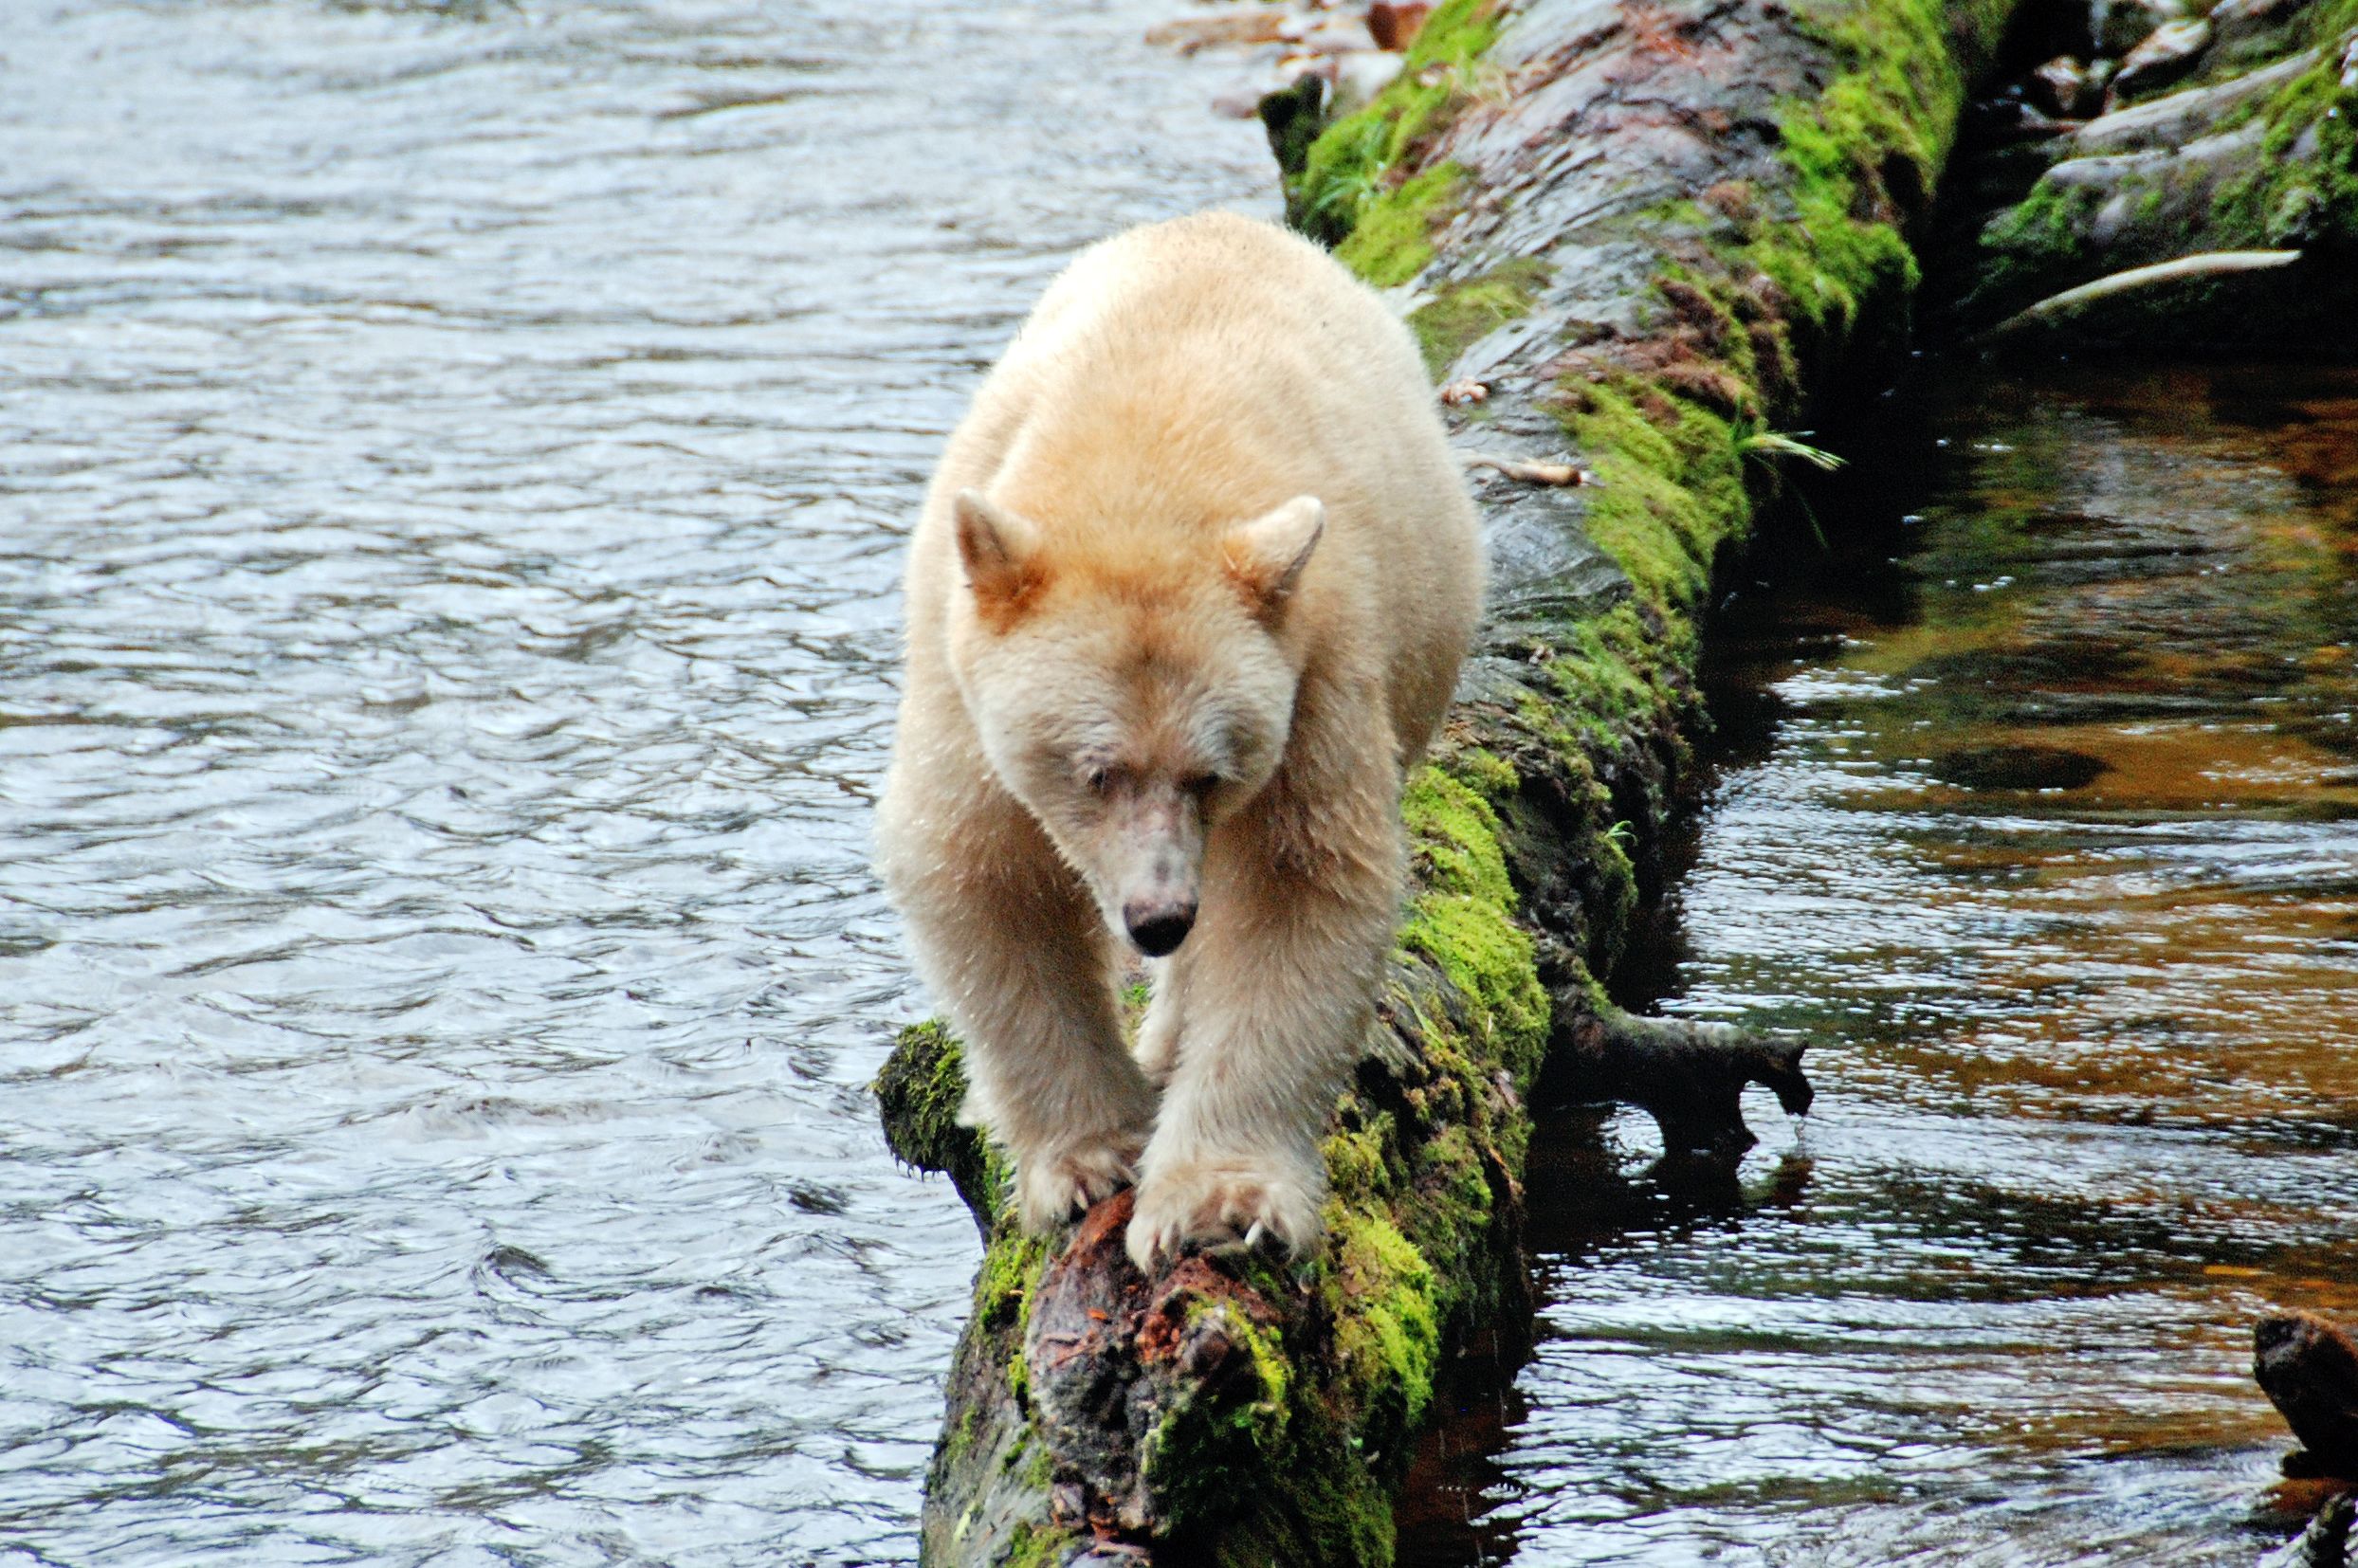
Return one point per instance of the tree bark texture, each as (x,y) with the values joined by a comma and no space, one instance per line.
(1631,235)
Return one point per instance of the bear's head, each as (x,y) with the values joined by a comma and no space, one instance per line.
(1131,691)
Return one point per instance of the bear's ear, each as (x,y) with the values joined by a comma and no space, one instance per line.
(1266,555)
(999,550)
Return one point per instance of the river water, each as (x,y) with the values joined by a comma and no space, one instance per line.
(2038,812)
(452,467)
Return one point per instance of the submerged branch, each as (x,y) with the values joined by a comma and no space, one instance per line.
(2217,264)
(1690,1077)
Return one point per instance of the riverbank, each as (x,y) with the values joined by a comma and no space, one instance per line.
(2169,176)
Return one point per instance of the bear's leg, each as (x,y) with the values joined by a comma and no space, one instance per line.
(1158,1031)
(1275,987)
(1013,947)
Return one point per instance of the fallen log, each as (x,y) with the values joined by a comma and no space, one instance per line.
(1650,232)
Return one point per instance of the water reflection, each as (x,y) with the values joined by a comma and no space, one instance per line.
(2041,815)
(451,466)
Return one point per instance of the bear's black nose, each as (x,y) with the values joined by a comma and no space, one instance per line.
(1159,933)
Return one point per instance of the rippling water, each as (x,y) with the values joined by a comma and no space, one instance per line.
(452,464)
(2042,821)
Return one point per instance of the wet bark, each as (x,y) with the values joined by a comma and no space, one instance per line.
(1628,235)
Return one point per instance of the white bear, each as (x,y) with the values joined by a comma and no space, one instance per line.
(1188,599)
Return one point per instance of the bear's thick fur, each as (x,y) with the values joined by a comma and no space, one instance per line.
(1188,598)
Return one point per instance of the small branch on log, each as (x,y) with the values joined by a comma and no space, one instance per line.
(2214,263)
(920,1094)
(1532,473)
(1690,1077)
(2309,1369)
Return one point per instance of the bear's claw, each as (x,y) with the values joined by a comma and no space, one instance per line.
(1209,1203)
(1051,1188)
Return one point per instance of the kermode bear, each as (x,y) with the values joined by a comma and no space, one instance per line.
(1188,599)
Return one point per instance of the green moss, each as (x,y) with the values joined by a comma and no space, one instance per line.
(1455,835)
(1038,1465)
(1487,957)
(1671,492)
(958,1442)
(1463,314)
(1236,1425)
(1011,1264)
(1359,1168)
(920,1091)
(1351,188)
(1037,1546)
(1605,674)
(2026,249)
(1483,770)
(1386,1329)
(2303,189)
(1392,240)
(1865,154)
(1331,1512)
(1259,1416)
(2298,192)
(1450,1177)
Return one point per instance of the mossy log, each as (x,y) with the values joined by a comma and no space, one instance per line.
(2257,151)
(1633,237)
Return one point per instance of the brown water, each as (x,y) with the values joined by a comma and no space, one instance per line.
(452,465)
(2039,816)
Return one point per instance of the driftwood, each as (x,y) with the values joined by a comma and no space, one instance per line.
(2057,309)
(2307,1366)
(1647,231)
(1688,1077)
(1528,472)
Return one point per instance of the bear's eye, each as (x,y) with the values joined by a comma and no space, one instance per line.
(1201,784)
(1098,778)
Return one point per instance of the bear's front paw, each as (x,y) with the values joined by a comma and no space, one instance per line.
(1054,1184)
(1214,1200)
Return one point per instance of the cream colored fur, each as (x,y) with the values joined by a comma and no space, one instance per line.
(1188,598)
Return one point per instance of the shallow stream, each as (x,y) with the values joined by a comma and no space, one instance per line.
(452,471)
(2037,811)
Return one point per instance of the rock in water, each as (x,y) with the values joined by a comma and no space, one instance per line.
(2116,26)
(2252,27)
(2309,1369)
(2168,54)
(2061,88)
